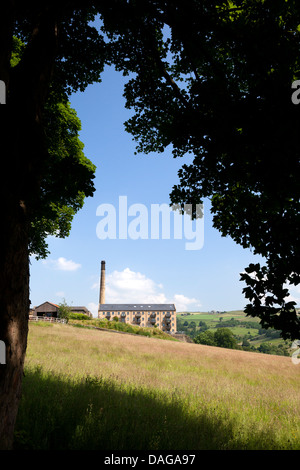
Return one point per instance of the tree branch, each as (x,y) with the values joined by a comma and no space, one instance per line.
(151,43)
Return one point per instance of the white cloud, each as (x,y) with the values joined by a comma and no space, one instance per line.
(294,293)
(93,308)
(62,264)
(128,286)
(182,302)
(60,294)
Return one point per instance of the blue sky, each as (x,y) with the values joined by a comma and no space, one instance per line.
(137,270)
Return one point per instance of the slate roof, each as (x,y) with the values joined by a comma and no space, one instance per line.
(137,307)
(47,302)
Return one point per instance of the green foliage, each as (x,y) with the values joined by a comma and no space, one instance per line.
(232,323)
(17,51)
(202,326)
(223,338)
(64,311)
(68,177)
(268,348)
(207,337)
(245,342)
(74,68)
(67,173)
(208,79)
(236,337)
(78,316)
(124,327)
(216,83)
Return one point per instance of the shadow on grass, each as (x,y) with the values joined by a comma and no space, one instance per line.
(58,413)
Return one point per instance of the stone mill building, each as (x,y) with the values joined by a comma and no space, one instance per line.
(147,315)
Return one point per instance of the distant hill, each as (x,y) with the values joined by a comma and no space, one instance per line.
(247,330)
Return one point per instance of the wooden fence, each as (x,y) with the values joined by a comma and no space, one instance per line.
(47,319)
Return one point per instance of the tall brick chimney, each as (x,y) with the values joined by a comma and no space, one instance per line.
(102,284)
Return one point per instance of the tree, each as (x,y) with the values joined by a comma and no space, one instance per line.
(209,78)
(224,338)
(214,79)
(245,342)
(64,311)
(207,338)
(67,168)
(45,174)
(202,325)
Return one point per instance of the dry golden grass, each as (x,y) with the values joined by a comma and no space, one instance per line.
(88,351)
(257,392)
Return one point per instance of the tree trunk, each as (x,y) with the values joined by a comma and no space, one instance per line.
(22,154)
(14,262)
(14,310)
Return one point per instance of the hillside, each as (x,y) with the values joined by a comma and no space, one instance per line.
(89,389)
(119,327)
(247,330)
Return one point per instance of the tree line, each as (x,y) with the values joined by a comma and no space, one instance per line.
(225,338)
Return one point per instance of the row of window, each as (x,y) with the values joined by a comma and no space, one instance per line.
(137,313)
(142,319)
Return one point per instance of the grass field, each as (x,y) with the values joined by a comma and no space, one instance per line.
(88,389)
(212,318)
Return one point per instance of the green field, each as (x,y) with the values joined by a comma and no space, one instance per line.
(242,330)
(214,317)
(90,389)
